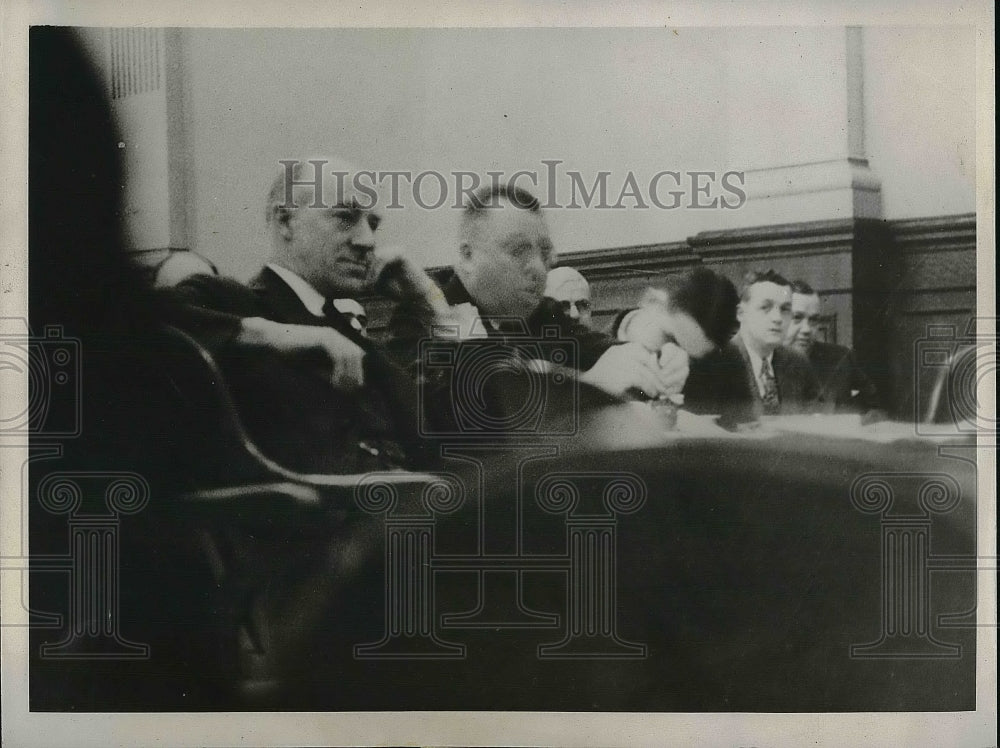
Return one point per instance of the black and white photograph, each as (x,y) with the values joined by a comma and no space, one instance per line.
(483,375)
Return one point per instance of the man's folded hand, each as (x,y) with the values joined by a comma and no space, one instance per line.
(673,368)
(346,358)
(632,367)
(625,367)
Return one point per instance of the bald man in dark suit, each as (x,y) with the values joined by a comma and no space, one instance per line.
(314,392)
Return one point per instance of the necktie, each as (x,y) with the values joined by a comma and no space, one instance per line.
(769,389)
(337,319)
(330,309)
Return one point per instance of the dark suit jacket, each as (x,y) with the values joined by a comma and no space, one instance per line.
(723,383)
(289,407)
(504,391)
(411,322)
(843,386)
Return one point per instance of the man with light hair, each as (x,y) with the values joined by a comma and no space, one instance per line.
(781,381)
(572,291)
(316,393)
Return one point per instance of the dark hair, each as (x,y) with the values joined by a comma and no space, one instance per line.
(761,276)
(803,288)
(489,196)
(617,322)
(709,298)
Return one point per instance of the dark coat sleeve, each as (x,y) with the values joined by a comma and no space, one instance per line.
(287,403)
(590,344)
(409,323)
(840,378)
(867,398)
(207,307)
(802,396)
(718,385)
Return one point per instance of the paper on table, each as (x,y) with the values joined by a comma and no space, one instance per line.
(845,427)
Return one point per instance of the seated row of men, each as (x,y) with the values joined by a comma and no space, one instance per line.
(759,372)
(320,396)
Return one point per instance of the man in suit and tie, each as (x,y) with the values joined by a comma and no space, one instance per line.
(316,394)
(568,287)
(843,386)
(755,375)
(782,382)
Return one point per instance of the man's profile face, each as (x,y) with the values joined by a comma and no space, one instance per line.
(765,314)
(573,295)
(805,316)
(505,259)
(331,245)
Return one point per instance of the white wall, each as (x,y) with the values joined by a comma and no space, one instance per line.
(920,99)
(598,99)
(450,100)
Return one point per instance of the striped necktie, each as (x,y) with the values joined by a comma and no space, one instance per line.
(769,389)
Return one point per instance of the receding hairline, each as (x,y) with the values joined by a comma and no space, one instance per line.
(560,276)
(474,218)
(304,170)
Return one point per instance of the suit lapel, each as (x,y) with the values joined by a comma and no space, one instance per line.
(281,301)
(456,293)
(785,376)
(780,374)
(285,306)
(758,403)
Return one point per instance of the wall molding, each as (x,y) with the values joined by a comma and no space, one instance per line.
(788,239)
(934,234)
(639,259)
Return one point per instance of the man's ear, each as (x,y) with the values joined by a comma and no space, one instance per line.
(282,219)
(739,312)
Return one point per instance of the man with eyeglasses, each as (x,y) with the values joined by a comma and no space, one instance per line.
(499,278)
(572,292)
